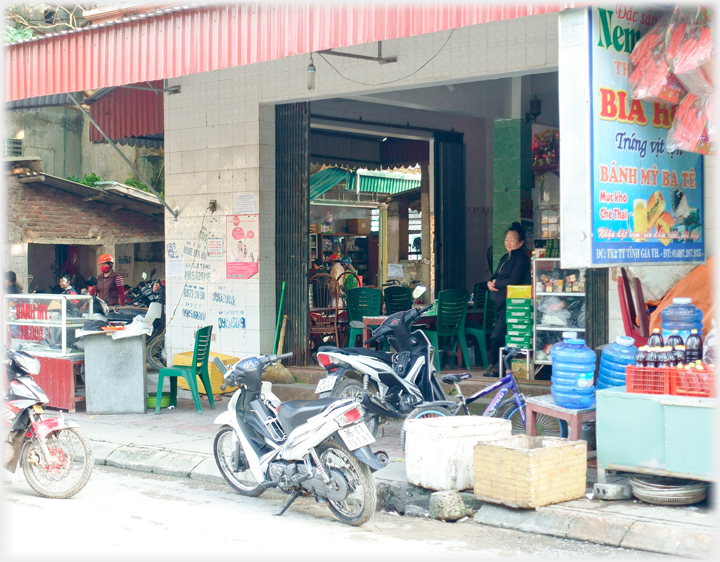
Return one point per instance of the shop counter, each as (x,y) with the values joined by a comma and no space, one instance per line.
(655,434)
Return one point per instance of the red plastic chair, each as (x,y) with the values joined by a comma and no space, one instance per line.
(625,302)
(642,313)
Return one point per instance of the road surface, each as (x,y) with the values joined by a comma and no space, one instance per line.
(126,515)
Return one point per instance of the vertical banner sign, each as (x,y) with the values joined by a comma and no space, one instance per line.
(242,246)
(647,203)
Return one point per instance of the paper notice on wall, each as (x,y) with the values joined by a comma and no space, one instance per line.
(242,247)
(175,269)
(245,204)
(215,247)
(395,270)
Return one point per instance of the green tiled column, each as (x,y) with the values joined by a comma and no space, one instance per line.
(512,177)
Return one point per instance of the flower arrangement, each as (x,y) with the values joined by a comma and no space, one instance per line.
(546,147)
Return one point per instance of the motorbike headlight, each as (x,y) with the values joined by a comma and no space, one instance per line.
(27,363)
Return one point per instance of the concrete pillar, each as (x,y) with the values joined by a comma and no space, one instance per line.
(403,229)
(393,233)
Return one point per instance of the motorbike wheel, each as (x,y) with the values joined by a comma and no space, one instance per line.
(350,388)
(360,504)
(155,352)
(71,471)
(243,482)
(423,411)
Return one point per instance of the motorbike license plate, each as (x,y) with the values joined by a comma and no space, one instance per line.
(356,436)
(326,384)
(37,409)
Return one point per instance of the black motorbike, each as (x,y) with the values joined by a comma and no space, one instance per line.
(56,458)
(393,386)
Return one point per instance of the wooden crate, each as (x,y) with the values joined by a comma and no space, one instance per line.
(530,472)
(216,378)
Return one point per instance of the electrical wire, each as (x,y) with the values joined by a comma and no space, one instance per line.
(391,81)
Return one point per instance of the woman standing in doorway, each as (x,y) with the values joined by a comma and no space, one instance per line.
(512,270)
(110,285)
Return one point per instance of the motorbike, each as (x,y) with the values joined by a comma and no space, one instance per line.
(401,383)
(56,458)
(316,447)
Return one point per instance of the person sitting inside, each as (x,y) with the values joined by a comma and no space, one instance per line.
(12,287)
(512,270)
(316,267)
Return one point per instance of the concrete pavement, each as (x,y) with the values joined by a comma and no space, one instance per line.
(179,443)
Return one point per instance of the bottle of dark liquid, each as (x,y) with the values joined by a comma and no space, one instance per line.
(655,339)
(640,356)
(652,357)
(693,347)
(663,358)
(679,354)
(674,339)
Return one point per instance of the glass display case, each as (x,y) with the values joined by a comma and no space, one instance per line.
(560,305)
(45,324)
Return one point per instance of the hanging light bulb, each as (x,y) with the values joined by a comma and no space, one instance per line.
(311,74)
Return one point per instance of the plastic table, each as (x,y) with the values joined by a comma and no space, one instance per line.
(546,405)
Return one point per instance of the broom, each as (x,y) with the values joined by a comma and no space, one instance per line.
(278,373)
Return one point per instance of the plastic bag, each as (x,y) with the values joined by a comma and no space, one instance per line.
(689,49)
(692,121)
(553,312)
(710,346)
(651,78)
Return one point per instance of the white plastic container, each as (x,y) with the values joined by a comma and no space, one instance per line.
(439,451)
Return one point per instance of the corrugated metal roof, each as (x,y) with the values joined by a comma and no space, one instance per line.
(133,117)
(325,180)
(39,102)
(192,39)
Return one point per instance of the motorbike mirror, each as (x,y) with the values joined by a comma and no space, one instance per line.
(419,291)
(144,275)
(152,273)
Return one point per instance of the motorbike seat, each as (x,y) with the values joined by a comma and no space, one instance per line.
(450,379)
(294,413)
(380,355)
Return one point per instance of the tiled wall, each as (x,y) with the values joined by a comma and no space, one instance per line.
(220,142)
(512,161)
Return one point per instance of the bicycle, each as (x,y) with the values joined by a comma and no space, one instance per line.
(512,408)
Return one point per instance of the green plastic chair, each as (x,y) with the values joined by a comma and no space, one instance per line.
(450,326)
(480,333)
(397,299)
(198,368)
(361,301)
(479,290)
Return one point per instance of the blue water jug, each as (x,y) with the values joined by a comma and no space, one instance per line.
(573,373)
(615,357)
(562,343)
(682,316)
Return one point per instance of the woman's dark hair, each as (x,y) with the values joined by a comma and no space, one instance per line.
(10,276)
(517,227)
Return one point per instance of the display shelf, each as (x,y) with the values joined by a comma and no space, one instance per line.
(559,329)
(573,294)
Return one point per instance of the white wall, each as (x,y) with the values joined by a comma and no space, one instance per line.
(220,142)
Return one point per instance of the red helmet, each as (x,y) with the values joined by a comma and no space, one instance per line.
(105,258)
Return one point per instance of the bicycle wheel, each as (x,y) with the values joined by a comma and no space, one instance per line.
(546,426)
(155,352)
(423,411)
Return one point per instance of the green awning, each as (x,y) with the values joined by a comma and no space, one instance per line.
(325,180)
(384,182)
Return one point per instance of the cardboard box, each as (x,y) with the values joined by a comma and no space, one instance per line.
(358,226)
(325,228)
(521,307)
(518,302)
(516,341)
(519,291)
(526,314)
(520,368)
(519,333)
(530,472)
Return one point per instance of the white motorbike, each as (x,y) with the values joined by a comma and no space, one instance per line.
(319,447)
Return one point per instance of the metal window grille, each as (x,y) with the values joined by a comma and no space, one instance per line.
(13,147)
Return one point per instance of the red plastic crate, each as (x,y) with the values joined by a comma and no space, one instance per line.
(647,380)
(693,382)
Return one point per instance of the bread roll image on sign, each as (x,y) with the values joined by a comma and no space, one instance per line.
(664,226)
(655,207)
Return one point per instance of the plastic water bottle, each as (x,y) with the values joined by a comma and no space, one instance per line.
(682,316)
(615,357)
(562,343)
(573,373)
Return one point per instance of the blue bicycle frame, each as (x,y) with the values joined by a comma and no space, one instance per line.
(505,385)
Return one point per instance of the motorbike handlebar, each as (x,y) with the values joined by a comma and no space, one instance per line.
(425,309)
(287,355)
(227,382)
